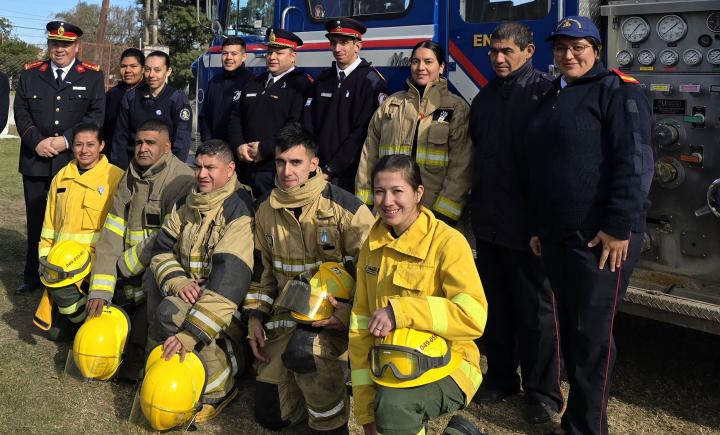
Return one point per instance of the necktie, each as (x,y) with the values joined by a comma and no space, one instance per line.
(269,82)
(59,73)
(341,77)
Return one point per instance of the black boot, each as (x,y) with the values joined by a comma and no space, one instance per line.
(461,425)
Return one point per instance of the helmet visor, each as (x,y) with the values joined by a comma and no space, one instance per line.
(405,363)
(298,297)
(53,274)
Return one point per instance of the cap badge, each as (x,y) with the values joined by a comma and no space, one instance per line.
(60,30)
(272,36)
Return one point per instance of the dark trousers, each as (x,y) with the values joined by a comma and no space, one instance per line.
(35,190)
(520,327)
(587,300)
(345,183)
(259,181)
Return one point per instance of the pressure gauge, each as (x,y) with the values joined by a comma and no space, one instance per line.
(713,56)
(671,28)
(635,29)
(624,58)
(669,57)
(713,22)
(646,57)
(692,57)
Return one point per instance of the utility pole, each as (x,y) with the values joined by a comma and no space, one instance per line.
(154,26)
(103,21)
(146,23)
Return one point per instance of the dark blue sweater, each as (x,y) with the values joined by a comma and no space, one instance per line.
(223,93)
(589,157)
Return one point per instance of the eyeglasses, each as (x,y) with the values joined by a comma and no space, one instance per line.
(576,49)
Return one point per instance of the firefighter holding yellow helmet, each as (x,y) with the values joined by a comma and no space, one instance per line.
(418,306)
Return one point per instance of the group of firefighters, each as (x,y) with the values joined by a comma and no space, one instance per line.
(265,248)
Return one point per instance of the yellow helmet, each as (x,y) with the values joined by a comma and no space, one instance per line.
(100,342)
(170,393)
(307,298)
(68,262)
(408,358)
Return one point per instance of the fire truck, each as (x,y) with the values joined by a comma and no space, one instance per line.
(671,46)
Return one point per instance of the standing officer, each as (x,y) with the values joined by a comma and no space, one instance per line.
(52,97)
(269,101)
(132,63)
(341,103)
(4,100)
(520,327)
(224,90)
(154,99)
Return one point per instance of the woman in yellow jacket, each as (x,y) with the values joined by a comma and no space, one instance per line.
(79,198)
(415,278)
(429,123)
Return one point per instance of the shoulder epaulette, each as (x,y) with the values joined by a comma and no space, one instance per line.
(624,77)
(377,72)
(35,64)
(87,65)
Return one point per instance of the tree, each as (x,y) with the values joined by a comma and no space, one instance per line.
(122,25)
(14,54)
(185,37)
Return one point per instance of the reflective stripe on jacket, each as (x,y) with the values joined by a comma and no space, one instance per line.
(78,203)
(443,151)
(141,202)
(207,236)
(429,278)
(332,225)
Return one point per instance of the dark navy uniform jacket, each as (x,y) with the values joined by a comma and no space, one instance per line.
(138,106)
(339,116)
(4,100)
(261,112)
(499,115)
(43,109)
(223,93)
(590,158)
(113,98)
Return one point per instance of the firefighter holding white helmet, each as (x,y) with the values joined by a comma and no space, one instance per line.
(418,306)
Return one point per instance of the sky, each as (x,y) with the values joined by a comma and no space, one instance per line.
(29,17)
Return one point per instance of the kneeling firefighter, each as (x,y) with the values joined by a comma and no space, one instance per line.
(170,393)
(99,345)
(62,307)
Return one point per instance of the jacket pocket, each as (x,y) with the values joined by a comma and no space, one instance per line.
(92,210)
(414,279)
(434,155)
(35,103)
(79,101)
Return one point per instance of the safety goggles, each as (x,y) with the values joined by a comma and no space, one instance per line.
(405,363)
(54,274)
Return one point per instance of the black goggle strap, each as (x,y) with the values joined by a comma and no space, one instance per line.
(61,274)
(424,362)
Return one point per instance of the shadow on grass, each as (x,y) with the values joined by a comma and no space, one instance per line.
(20,315)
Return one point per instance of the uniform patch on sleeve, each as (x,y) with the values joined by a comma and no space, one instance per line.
(185,114)
(443,115)
(381,97)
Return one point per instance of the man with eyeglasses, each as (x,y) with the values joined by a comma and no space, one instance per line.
(520,328)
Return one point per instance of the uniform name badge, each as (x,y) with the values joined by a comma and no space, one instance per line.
(326,94)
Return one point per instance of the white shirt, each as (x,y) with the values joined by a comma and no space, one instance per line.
(563,83)
(349,69)
(278,77)
(64,69)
